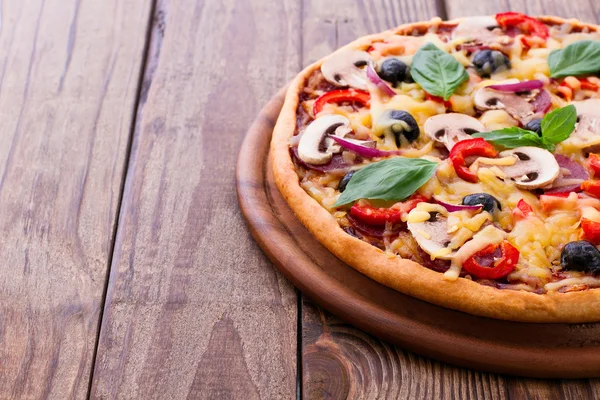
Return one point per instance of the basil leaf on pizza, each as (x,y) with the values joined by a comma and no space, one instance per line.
(579,58)
(559,124)
(511,138)
(391,179)
(556,127)
(436,71)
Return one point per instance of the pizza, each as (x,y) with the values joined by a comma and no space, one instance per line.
(457,162)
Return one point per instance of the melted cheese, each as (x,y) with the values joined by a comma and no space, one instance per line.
(540,236)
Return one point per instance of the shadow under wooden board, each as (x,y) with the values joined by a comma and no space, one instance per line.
(526,349)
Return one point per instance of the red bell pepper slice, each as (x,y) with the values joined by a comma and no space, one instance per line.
(594,163)
(493,262)
(467,148)
(522,22)
(591,230)
(438,99)
(522,210)
(339,96)
(587,85)
(591,187)
(379,216)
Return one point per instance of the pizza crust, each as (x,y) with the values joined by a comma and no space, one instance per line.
(405,275)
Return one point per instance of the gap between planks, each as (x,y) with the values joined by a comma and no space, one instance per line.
(135,112)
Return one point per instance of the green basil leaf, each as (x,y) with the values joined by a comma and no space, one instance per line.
(392,179)
(559,124)
(436,71)
(578,58)
(511,138)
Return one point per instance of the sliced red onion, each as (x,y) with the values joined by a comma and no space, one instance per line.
(542,102)
(455,207)
(519,86)
(381,85)
(572,182)
(364,151)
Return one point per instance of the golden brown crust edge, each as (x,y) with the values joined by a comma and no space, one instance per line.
(405,275)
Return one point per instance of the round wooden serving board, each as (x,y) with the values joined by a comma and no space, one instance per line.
(537,350)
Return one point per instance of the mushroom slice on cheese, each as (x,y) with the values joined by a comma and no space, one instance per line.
(311,148)
(586,135)
(344,68)
(534,167)
(431,234)
(450,129)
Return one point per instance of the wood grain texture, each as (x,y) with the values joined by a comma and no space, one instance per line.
(68,81)
(194,309)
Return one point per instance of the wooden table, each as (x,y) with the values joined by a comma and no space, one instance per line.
(128,271)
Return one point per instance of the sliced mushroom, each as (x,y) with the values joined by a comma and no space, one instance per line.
(432,235)
(534,167)
(450,129)
(519,105)
(345,68)
(396,124)
(476,28)
(313,148)
(587,131)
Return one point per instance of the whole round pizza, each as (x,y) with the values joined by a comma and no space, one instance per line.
(457,162)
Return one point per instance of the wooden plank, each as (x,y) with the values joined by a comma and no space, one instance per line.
(68,82)
(339,361)
(588,11)
(194,309)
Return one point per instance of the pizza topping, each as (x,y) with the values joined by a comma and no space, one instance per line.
(432,234)
(519,105)
(535,125)
(341,96)
(594,164)
(364,148)
(480,29)
(523,23)
(437,72)
(518,87)
(580,256)
(344,68)
(381,85)
(587,131)
(392,179)
(310,147)
(535,167)
(458,207)
(469,148)
(344,181)
(556,127)
(493,262)
(579,58)
(572,175)
(486,62)
(489,235)
(522,210)
(487,201)
(450,129)
(394,71)
(396,125)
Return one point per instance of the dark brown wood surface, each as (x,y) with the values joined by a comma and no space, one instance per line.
(122,120)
